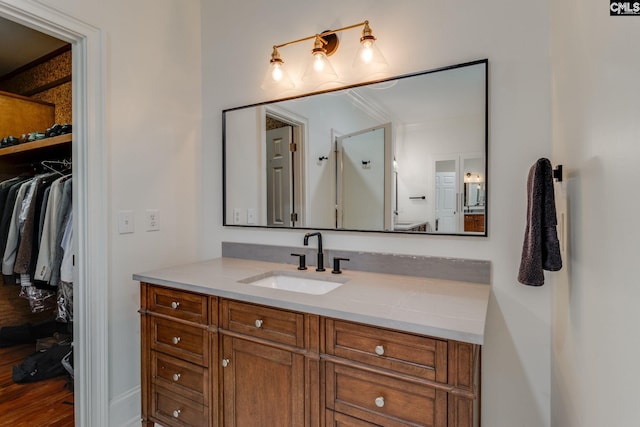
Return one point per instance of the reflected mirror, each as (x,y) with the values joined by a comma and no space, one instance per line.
(406,155)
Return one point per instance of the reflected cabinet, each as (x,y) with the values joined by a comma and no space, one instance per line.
(209,361)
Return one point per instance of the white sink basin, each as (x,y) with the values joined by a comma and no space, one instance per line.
(295,282)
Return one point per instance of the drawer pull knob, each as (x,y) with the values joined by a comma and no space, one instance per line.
(175,304)
(259,323)
(225,363)
(176,413)
(175,340)
(379,401)
(379,350)
(176,377)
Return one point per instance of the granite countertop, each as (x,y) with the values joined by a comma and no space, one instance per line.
(441,308)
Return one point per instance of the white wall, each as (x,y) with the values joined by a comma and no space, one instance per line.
(246,170)
(416,35)
(596,300)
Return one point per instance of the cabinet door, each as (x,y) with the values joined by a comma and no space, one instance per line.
(263,386)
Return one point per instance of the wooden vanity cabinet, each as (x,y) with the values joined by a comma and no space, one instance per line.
(474,223)
(218,362)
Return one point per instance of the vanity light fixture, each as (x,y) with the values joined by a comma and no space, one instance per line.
(319,70)
(469,178)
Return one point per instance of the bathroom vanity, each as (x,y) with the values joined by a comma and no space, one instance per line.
(378,350)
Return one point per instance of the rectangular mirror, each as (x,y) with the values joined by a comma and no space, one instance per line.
(405,155)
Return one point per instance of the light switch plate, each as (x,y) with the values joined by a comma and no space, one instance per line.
(251,216)
(125,222)
(237,214)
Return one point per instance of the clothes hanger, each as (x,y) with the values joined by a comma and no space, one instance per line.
(49,164)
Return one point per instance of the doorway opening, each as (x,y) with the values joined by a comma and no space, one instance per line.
(89,197)
(36,294)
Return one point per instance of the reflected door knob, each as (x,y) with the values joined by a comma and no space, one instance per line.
(176,340)
(175,304)
(176,377)
(225,363)
(379,350)
(176,413)
(379,401)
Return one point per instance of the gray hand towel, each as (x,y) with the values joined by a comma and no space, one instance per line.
(541,248)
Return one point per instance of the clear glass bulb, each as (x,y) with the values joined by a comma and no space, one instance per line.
(276,72)
(318,62)
(369,61)
(366,54)
(277,77)
(319,69)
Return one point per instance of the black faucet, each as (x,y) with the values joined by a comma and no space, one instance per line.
(320,263)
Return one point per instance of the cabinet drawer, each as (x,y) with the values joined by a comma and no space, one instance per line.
(180,377)
(336,419)
(183,341)
(383,400)
(179,304)
(409,354)
(277,325)
(173,410)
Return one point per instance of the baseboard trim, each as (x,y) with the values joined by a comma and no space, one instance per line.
(124,410)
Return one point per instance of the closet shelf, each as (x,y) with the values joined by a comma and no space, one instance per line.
(35,145)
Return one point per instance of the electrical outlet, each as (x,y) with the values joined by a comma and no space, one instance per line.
(152,219)
(125,222)
(251,216)
(237,214)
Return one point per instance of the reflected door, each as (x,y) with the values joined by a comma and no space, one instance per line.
(279,194)
(363,179)
(446,197)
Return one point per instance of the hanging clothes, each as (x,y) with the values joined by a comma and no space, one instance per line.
(36,239)
(67,269)
(27,249)
(46,254)
(12,188)
(13,235)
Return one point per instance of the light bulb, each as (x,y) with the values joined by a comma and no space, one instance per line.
(369,61)
(277,76)
(318,63)
(276,72)
(366,54)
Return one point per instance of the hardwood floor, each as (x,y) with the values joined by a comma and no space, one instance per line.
(45,403)
(15,310)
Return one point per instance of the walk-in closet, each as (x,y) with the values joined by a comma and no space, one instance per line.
(36,229)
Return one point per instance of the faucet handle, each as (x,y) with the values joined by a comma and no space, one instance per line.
(302,259)
(336,265)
